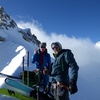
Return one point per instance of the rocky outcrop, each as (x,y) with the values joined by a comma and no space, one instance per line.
(27,35)
(5,20)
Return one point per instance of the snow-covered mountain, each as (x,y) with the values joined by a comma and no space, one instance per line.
(6,23)
(14,44)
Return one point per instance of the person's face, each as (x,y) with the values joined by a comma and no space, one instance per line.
(56,49)
(42,49)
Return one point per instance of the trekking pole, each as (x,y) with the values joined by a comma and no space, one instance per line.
(23,70)
(28,68)
(37,92)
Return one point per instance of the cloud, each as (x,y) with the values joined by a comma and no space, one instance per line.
(85,51)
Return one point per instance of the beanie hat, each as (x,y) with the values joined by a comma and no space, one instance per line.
(56,44)
(42,45)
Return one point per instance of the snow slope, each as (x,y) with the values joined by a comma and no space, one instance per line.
(13,49)
(14,44)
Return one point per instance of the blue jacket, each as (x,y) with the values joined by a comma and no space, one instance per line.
(60,68)
(46,60)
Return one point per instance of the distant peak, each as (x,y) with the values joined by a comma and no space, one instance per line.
(5,20)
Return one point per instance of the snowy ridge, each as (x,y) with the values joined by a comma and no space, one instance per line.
(14,43)
(6,24)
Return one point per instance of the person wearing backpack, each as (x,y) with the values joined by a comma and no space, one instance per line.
(65,83)
(42,61)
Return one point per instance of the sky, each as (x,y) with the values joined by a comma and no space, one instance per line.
(74,18)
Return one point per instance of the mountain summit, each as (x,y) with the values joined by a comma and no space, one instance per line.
(14,44)
(7,23)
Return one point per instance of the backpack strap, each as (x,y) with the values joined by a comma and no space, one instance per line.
(62,63)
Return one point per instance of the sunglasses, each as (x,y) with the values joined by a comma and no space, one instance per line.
(54,47)
(43,47)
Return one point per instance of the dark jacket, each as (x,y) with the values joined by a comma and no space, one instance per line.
(60,68)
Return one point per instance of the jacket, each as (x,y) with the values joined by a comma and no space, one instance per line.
(60,68)
(46,60)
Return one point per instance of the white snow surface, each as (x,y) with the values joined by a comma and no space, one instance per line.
(12,52)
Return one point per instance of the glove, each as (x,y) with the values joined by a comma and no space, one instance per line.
(45,71)
(73,87)
(47,89)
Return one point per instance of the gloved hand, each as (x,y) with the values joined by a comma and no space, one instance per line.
(47,89)
(73,87)
(38,71)
(45,71)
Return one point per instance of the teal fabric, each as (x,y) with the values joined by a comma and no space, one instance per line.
(60,68)
(18,85)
